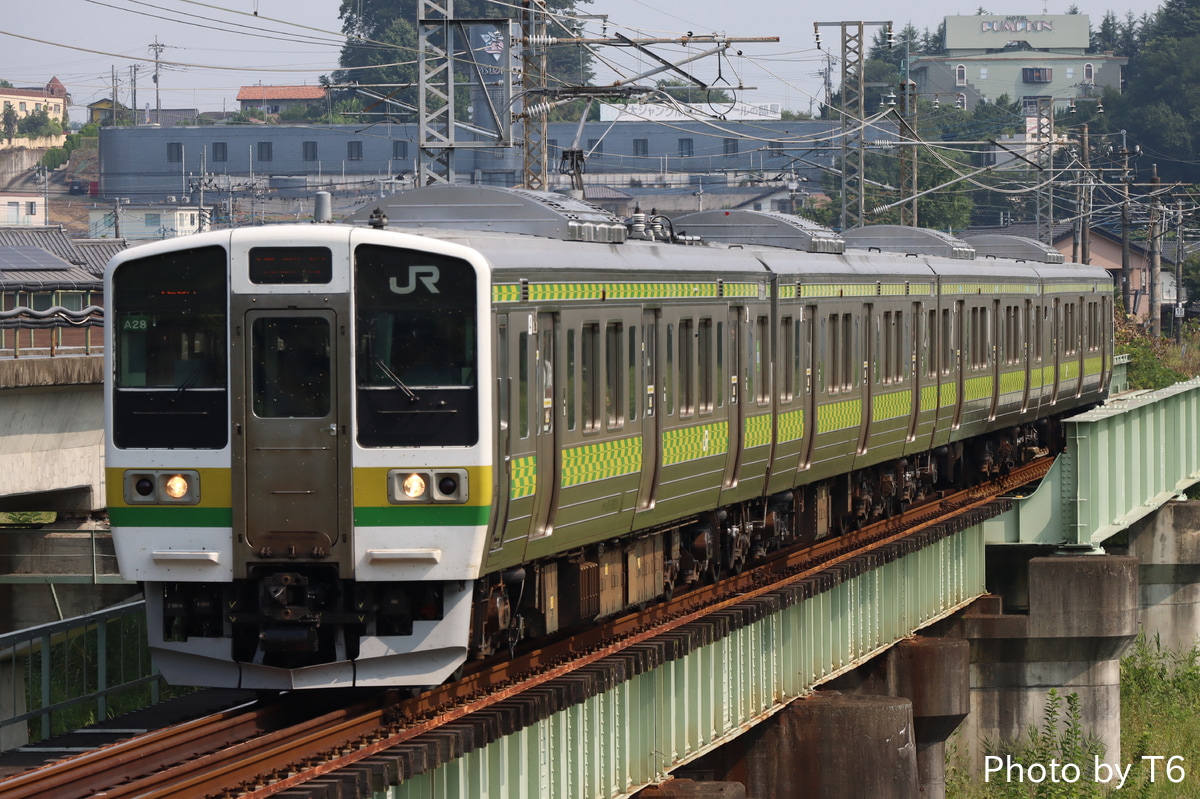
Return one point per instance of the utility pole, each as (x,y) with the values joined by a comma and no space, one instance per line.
(908,155)
(1155,255)
(1126,260)
(534,56)
(157,48)
(1085,245)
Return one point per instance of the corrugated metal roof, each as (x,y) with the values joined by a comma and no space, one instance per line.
(253,93)
(99,252)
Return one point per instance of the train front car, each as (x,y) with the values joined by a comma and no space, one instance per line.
(299,453)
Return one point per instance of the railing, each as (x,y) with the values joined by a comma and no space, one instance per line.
(28,333)
(64,675)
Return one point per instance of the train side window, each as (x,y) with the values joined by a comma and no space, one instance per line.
(704,342)
(883,348)
(835,354)
(797,350)
(760,365)
(502,370)
(633,365)
(649,342)
(669,378)
(687,376)
(929,344)
(898,339)
(1038,315)
(523,384)
(787,357)
(720,364)
(589,376)
(947,343)
(571,378)
(614,388)
(809,348)
(848,371)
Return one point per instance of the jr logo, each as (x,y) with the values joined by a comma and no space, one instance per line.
(426,274)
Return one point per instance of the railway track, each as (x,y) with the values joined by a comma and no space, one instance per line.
(271,747)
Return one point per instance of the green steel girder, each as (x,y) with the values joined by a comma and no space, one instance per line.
(1124,460)
(638,730)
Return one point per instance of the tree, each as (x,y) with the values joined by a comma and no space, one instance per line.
(382,43)
(9,121)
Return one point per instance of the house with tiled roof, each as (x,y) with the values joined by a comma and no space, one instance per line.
(52,98)
(277,99)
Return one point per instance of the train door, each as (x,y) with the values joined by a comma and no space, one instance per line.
(549,456)
(1023,353)
(737,380)
(503,431)
(991,350)
(524,407)
(956,360)
(651,421)
(870,329)
(1056,348)
(292,433)
(915,367)
(808,355)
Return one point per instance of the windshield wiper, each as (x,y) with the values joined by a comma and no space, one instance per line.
(390,375)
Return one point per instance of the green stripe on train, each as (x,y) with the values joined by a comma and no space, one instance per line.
(423,516)
(170,516)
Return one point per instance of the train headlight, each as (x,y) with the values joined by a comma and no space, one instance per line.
(414,486)
(435,486)
(176,486)
(162,487)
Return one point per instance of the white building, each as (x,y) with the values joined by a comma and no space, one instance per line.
(143,222)
(22,209)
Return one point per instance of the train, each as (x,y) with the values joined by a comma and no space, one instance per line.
(368,452)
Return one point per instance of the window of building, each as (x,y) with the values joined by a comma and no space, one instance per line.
(731,146)
(685,148)
(265,150)
(960,75)
(983,73)
(354,151)
(595,147)
(31,208)
(1070,73)
(310,151)
(399,148)
(641,147)
(220,151)
(153,220)
(1037,74)
(1089,74)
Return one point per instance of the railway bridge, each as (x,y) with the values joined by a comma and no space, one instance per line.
(847,681)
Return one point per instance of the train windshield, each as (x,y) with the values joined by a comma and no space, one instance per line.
(417,339)
(169,344)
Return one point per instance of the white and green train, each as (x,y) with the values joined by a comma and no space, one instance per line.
(360,454)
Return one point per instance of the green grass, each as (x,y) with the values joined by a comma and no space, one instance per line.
(1160,718)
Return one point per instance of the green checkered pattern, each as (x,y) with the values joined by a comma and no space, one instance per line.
(949,395)
(791,426)
(600,461)
(989,288)
(524,477)
(757,431)
(1071,288)
(787,292)
(1012,382)
(839,416)
(977,388)
(692,443)
(741,289)
(929,398)
(541,292)
(891,406)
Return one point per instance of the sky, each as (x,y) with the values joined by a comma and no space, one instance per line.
(211,48)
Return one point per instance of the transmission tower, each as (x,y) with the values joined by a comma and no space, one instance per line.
(1044,135)
(853,117)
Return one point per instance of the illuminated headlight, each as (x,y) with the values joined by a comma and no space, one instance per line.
(162,487)
(427,486)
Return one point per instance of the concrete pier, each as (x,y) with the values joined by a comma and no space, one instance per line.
(1080,613)
(1167,545)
